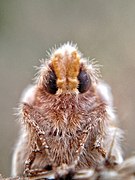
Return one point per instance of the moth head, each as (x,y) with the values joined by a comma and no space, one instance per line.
(67,72)
(83,83)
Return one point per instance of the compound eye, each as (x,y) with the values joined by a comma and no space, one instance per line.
(84,81)
(51,85)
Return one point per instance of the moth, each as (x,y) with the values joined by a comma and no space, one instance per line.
(66,117)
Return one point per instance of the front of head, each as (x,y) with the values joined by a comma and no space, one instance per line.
(67,72)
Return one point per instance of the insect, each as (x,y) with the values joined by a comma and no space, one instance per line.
(66,116)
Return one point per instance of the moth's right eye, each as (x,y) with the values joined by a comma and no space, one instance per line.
(84,81)
(51,85)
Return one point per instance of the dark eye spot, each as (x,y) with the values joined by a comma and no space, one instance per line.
(84,81)
(51,83)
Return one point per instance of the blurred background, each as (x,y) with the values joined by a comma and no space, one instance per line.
(104,30)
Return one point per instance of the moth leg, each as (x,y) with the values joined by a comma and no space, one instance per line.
(29,162)
(97,145)
(80,149)
(33,172)
(67,172)
(28,114)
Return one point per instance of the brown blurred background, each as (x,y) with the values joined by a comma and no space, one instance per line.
(102,29)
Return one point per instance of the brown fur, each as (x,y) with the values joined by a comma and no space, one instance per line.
(69,124)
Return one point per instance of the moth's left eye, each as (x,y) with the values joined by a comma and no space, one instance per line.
(51,85)
(84,81)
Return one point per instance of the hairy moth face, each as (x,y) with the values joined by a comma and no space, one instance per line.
(67,72)
(66,77)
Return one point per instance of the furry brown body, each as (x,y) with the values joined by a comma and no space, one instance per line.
(64,117)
